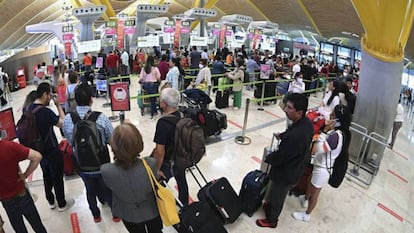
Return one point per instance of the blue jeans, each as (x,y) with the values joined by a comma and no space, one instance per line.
(20,206)
(52,168)
(179,175)
(152,88)
(96,187)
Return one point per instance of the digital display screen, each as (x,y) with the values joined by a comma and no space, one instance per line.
(185,23)
(7,126)
(357,55)
(344,52)
(327,48)
(111,24)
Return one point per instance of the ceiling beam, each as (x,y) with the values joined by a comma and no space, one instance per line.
(76,3)
(258,10)
(109,9)
(305,10)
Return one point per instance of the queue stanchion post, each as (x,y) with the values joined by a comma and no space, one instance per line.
(243,139)
(107,104)
(122,116)
(263,92)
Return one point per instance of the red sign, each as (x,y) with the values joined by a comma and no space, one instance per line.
(68,49)
(129,30)
(7,127)
(110,31)
(67,36)
(120,33)
(222,35)
(177,33)
(120,97)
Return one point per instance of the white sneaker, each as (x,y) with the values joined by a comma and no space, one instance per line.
(303,201)
(52,206)
(301,216)
(69,203)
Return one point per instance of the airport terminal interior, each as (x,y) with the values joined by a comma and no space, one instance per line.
(376,195)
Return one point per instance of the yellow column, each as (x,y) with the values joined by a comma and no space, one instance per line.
(98,3)
(387,26)
(109,9)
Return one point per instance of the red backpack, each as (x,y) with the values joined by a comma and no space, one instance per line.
(317,119)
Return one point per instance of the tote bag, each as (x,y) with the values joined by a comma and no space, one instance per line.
(165,200)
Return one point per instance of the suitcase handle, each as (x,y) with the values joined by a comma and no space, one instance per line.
(274,136)
(195,178)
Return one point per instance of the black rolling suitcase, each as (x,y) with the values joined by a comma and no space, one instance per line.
(222,99)
(212,121)
(253,190)
(199,217)
(220,196)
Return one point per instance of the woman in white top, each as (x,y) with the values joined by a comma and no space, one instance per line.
(330,159)
(330,100)
(173,74)
(297,85)
(399,118)
(150,78)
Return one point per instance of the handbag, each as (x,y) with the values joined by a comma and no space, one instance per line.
(165,200)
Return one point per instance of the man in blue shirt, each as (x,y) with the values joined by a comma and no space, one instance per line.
(95,186)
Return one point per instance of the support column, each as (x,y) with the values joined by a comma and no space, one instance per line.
(88,15)
(387,25)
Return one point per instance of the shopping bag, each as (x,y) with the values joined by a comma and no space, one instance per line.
(165,200)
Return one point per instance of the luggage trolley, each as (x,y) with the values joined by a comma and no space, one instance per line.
(143,102)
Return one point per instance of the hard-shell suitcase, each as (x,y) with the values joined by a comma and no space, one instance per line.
(264,167)
(67,152)
(222,99)
(253,190)
(302,184)
(200,218)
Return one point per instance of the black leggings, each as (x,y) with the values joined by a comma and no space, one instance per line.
(151,226)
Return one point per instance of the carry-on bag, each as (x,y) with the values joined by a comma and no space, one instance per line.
(221,197)
(67,153)
(222,99)
(253,190)
(200,218)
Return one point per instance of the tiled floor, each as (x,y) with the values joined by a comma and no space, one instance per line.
(386,206)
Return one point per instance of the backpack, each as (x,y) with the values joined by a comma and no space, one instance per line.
(317,119)
(71,101)
(27,131)
(340,165)
(189,142)
(90,150)
(246,77)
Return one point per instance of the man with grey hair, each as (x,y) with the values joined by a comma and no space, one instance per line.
(164,142)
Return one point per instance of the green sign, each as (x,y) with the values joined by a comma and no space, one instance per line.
(169,23)
(67,29)
(130,22)
(110,24)
(185,23)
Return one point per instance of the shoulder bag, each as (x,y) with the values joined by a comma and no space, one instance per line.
(165,200)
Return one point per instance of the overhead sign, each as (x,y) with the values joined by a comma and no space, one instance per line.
(110,24)
(89,46)
(198,41)
(67,29)
(148,41)
(129,22)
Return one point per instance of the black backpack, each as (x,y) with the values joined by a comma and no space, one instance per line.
(90,149)
(27,131)
(246,77)
(189,142)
